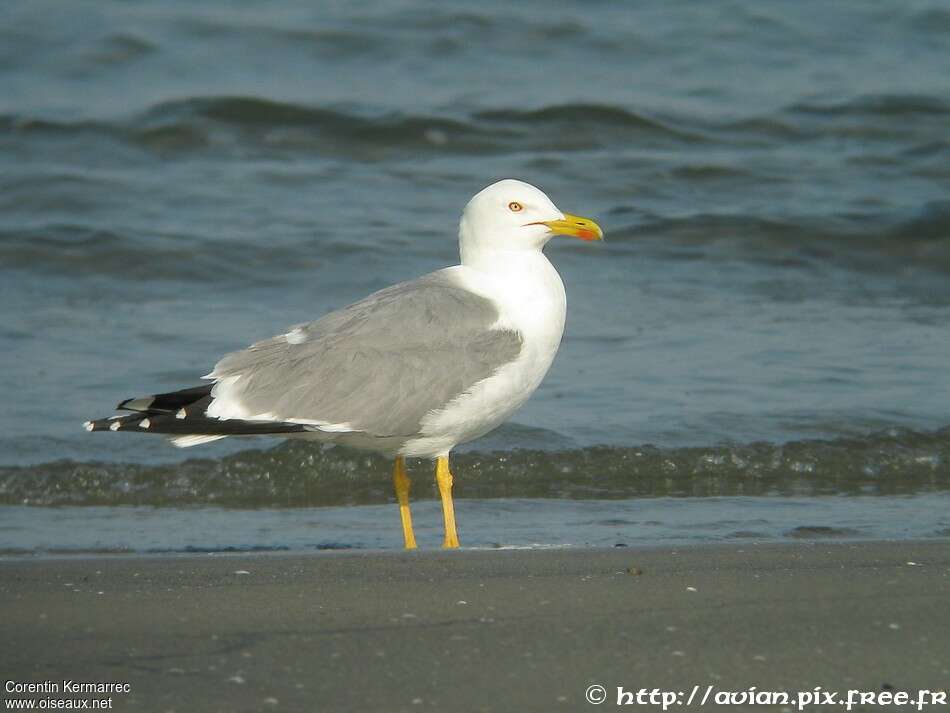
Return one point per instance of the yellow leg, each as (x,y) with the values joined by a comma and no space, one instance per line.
(401,483)
(444,478)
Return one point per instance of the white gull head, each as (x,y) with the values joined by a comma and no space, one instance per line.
(513,216)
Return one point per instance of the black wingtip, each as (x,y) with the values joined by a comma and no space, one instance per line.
(170,402)
(198,426)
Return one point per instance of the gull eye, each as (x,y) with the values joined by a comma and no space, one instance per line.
(515,207)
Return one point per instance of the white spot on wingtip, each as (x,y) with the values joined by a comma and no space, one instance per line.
(181,413)
(114,426)
(89,425)
(145,423)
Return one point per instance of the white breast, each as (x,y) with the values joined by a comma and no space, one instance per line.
(530,297)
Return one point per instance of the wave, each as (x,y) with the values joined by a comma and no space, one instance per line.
(297,474)
(578,117)
(257,124)
(873,118)
(73,250)
(880,105)
(254,123)
(873,242)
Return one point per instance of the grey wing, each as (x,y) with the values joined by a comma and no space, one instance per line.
(377,367)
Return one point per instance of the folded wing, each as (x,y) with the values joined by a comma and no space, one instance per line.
(375,367)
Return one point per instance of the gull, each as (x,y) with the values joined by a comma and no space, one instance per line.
(410,371)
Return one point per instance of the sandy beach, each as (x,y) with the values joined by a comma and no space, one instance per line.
(499,630)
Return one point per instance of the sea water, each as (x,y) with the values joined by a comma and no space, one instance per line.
(768,319)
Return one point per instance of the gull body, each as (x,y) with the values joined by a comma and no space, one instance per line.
(410,371)
(528,293)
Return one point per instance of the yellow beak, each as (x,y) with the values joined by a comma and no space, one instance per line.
(576,227)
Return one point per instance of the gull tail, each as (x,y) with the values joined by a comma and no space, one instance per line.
(180,415)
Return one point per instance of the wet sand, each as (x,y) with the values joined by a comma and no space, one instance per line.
(503,630)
